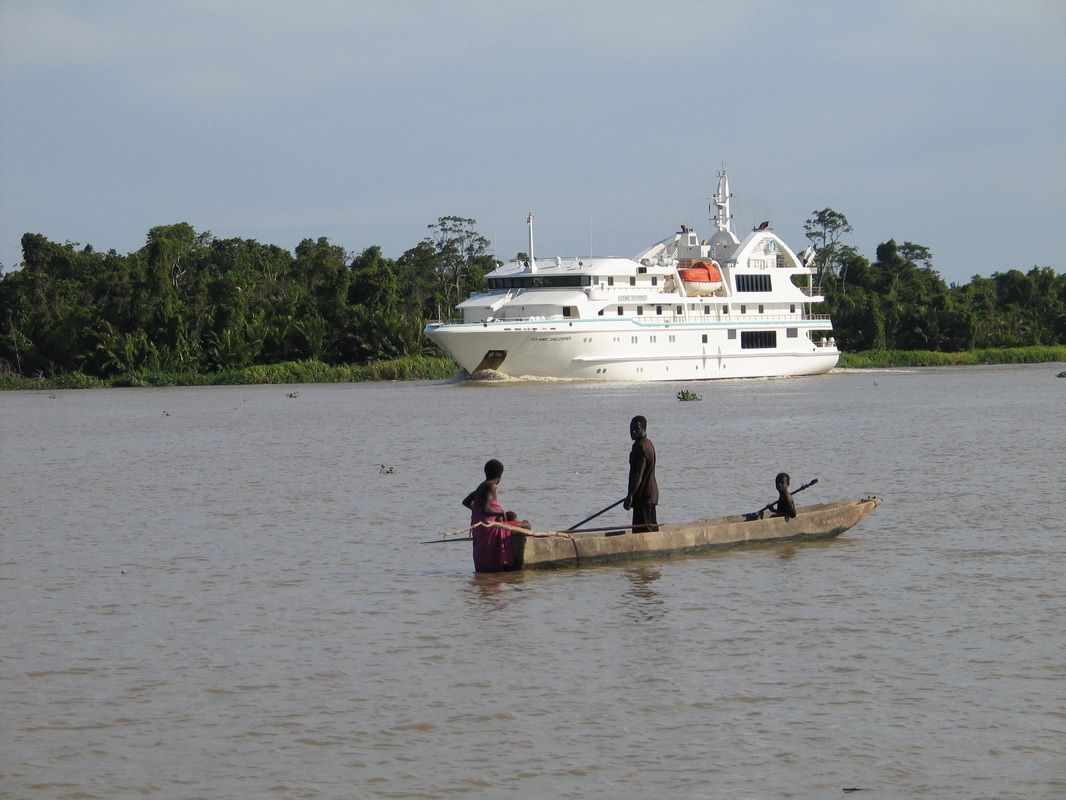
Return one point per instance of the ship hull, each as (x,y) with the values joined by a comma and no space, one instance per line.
(628,351)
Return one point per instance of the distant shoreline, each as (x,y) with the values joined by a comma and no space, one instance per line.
(408,368)
(874,359)
(437,368)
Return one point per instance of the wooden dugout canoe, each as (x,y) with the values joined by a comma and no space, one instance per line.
(811,523)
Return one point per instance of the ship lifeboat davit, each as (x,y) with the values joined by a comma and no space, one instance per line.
(702,278)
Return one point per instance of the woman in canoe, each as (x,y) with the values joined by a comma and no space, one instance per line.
(492,543)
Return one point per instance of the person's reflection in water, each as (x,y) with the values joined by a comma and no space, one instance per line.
(643,603)
(491,590)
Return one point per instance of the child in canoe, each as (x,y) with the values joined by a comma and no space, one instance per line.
(785,505)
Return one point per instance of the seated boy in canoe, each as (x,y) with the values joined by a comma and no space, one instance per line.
(785,505)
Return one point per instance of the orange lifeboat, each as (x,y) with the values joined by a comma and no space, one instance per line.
(701,278)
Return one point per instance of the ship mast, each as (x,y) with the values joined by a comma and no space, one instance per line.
(720,203)
(532,260)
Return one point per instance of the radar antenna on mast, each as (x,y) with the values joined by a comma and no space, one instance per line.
(723,217)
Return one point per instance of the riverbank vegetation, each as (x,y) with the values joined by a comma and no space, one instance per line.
(190,309)
(899,301)
(869,359)
(407,368)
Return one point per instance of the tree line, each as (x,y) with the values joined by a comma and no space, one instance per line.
(189,302)
(900,302)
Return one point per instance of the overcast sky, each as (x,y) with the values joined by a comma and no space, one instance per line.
(940,123)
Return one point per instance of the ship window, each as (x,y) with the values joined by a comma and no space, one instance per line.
(601,312)
(792,333)
(654,280)
(758,340)
(725,309)
(569,311)
(652,339)
(732,333)
(743,309)
(641,270)
(640,311)
(619,311)
(610,280)
(753,283)
(632,280)
(679,310)
(760,308)
(658,309)
(703,338)
(792,308)
(633,339)
(527,281)
(706,309)
(672,338)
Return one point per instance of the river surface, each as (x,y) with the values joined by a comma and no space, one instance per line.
(221,593)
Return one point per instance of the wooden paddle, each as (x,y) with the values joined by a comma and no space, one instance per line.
(766,507)
(604,511)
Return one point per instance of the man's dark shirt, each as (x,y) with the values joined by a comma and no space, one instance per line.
(643,487)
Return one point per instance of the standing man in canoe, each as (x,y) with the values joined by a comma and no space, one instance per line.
(492,544)
(643,495)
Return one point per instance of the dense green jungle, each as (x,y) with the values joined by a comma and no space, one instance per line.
(190,308)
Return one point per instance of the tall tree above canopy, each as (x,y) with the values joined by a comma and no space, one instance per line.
(168,250)
(917,254)
(824,230)
(460,260)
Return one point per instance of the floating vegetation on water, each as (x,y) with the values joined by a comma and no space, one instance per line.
(685,394)
(387,469)
(294,394)
(1061,374)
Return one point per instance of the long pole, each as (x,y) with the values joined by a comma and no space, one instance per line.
(604,511)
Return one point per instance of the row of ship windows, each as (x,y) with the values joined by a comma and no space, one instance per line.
(571,311)
(745,283)
(749,340)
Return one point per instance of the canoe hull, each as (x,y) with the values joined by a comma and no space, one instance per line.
(812,523)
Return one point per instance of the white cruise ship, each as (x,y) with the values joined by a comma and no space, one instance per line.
(684,309)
